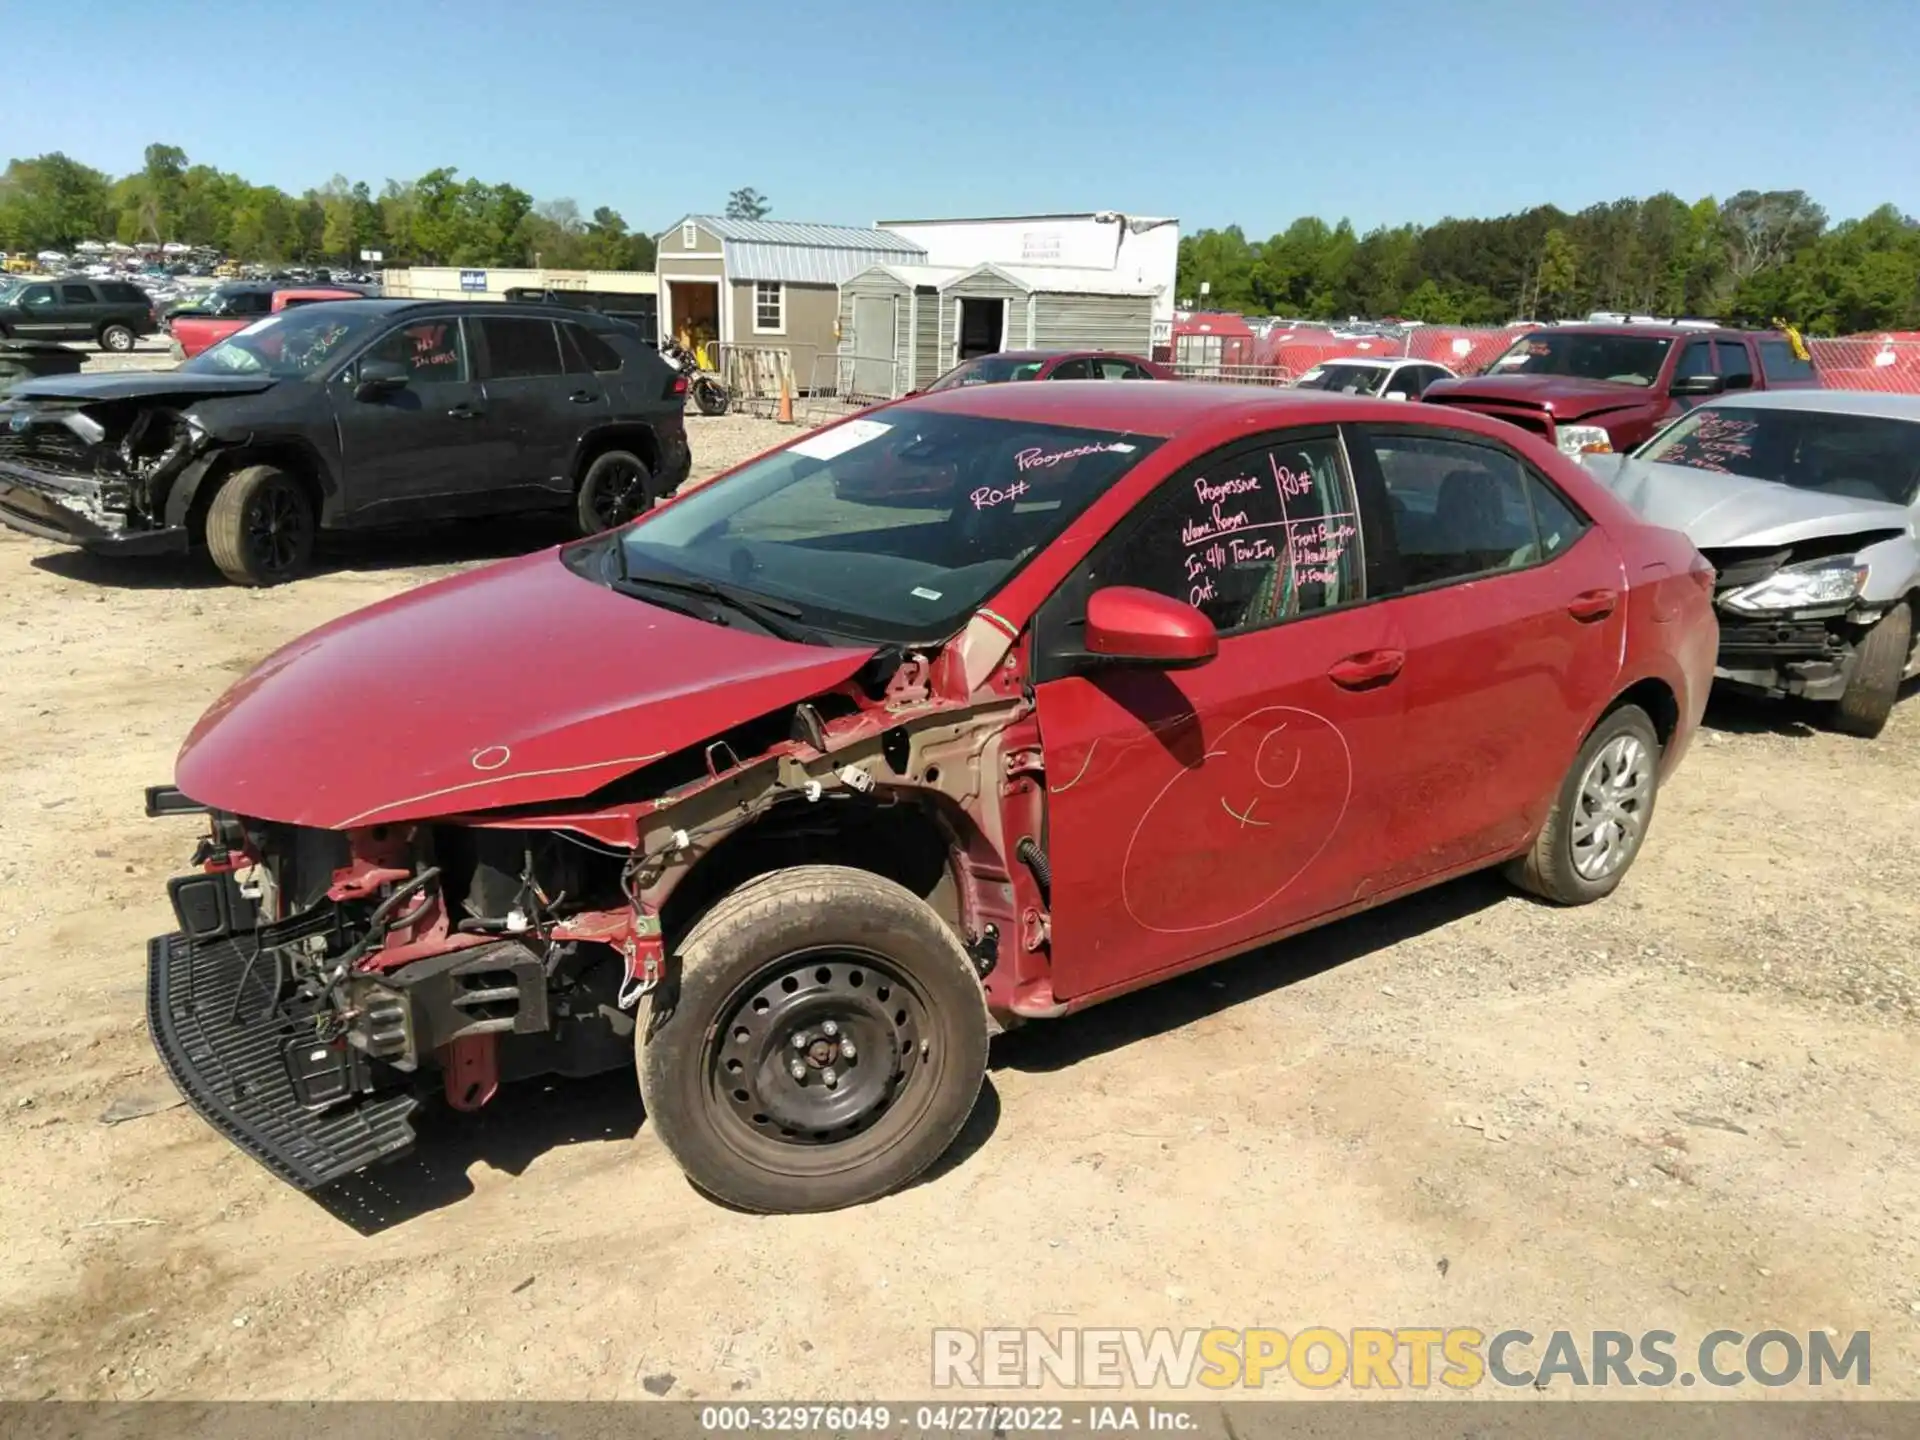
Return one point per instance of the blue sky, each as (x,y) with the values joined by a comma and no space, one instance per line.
(1382,110)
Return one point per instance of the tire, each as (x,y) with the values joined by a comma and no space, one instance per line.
(117,338)
(617,487)
(1879,662)
(260,527)
(897,1100)
(1554,867)
(710,397)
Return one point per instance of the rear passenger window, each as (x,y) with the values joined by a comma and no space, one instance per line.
(1072,370)
(1459,510)
(1779,362)
(587,351)
(1261,535)
(1556,522)
(520,349)
(76,294)
(1736,370)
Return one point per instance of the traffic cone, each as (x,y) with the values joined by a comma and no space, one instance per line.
(786,402)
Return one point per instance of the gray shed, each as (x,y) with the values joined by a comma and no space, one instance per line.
(1042,307)
(890,328)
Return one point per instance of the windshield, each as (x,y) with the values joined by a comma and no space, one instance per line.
(1623,359)
(987,370)
(1867,457)
(10,288)
(287,346)
(1346,379)
(887,530)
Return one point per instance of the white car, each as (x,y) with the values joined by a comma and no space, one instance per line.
(1393,376)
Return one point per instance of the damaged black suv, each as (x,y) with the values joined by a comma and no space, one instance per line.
(344,415)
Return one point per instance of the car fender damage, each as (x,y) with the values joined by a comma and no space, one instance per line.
(98,474)
(323,976)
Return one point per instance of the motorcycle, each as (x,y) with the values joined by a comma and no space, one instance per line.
(709,391)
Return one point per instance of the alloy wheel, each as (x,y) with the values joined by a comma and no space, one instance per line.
(277,528)
(1611,809)
(619,494)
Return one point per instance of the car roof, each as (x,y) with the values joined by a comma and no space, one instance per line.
(1669,332)
(1166,410)
(1372,362)
(1826,402)
(1026,355)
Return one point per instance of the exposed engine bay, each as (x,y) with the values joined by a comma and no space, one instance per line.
(103,470)
(320,978)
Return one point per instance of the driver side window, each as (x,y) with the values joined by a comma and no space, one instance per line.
(1249,537)
(429,351)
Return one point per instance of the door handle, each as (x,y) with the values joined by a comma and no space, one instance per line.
(463,412)
(1368,668)
(1590,605)
(583,397)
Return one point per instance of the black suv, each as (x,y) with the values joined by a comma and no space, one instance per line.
(346,414)
(113,312)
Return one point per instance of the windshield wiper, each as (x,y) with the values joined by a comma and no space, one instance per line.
(776,617)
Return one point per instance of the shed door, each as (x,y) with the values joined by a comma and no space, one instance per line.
(873,347)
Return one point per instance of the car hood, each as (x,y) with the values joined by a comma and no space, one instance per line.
(1568,398)
(140,385)
(1714,509)
(521,683)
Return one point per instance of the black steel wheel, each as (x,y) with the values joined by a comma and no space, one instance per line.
(617,487)
(260,527)
(826,1042)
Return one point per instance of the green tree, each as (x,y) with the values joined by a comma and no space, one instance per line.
(747,203)
(1557,272)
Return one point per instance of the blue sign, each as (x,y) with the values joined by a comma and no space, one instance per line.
(473,279)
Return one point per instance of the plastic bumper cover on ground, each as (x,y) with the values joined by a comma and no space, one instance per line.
(230,1062)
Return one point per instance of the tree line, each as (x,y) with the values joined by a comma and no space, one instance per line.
(1752,258)
(52,202)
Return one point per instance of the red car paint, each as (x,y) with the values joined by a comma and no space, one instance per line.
(195,333)
(1312,768)
(1628,413)
(570,719)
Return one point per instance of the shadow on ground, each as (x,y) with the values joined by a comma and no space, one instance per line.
(450,543)
(1050,1045)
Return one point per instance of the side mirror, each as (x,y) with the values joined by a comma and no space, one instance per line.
(1125,623)
(1697,385)
(379,379)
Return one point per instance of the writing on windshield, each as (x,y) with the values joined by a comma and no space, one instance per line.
(1867,457)
(894,528)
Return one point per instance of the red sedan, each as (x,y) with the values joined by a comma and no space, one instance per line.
(1050,365)
(1141,679)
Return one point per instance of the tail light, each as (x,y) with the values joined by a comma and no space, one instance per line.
(679,385)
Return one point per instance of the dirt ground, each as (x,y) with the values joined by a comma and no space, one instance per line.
(1689,1107)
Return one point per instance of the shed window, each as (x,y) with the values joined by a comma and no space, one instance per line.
(689,235)
(769,307)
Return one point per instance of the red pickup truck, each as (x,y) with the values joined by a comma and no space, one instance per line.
(193,331)
(1595,388)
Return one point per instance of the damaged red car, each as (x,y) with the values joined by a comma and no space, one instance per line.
(973,710)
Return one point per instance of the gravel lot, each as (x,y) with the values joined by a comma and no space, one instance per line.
(1689,1107)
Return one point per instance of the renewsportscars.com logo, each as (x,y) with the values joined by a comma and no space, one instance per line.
(1458,1358)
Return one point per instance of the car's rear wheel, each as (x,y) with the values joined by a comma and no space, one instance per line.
(1879,662)
(824,1043)
(1600,818)
(260,527)
(617,487)
(117,338)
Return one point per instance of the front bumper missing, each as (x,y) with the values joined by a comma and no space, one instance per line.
(259,1075)
(72,508)
(1806,658)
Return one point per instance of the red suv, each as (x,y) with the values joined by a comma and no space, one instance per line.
(1149,675)
(1596,388)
